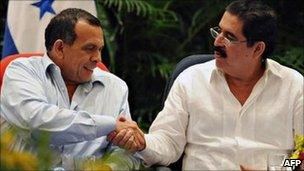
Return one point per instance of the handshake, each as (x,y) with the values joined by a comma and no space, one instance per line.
(127,135)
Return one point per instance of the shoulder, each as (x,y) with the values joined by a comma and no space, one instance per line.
(25,64)
(287,74)
(202,71)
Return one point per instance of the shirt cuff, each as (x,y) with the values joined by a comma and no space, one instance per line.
(147,155)
(104,124)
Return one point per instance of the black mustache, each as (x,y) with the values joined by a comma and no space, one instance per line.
(221,51)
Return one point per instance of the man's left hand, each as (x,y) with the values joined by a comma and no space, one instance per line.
(127,135)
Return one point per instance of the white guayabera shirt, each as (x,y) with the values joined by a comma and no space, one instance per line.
(203,118)
(34,98)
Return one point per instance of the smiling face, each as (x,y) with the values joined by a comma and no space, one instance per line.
(77,61)
(240,57)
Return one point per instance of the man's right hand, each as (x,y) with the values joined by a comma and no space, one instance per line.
(127,135)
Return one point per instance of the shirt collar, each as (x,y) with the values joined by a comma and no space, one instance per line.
(215,73)
(48,64)
(95,80)
(272,69)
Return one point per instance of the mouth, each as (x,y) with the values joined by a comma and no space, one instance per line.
(89,68)
(217,54)
(220,52)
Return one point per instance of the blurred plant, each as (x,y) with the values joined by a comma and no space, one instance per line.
(299,148)
(114,159)
(89,164)
(299,151)
(44,153)
(13,160)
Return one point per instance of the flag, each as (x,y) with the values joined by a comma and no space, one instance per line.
(27,20)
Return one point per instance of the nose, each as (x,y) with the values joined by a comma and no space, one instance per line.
(219,40)
(96,57)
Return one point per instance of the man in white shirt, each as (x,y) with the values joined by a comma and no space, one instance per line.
(233,111)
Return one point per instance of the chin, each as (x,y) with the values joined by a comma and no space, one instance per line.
(87,80)
(84,80)
(86,77)
(219,63)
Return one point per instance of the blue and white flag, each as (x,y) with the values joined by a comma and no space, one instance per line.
(27,20)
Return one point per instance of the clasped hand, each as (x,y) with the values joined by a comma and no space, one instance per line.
(127,135)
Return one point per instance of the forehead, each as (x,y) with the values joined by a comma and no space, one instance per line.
(231,23)
(87,33)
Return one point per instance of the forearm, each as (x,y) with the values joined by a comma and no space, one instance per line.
(160,150)
(64,126)
(167,135)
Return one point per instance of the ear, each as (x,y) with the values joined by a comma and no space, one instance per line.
(58,48)
(259,49)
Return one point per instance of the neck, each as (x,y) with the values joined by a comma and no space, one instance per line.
(248,77)
(241,87)
(71,90)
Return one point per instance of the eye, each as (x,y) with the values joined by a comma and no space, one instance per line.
(217,29)
(89,48)
(231,37)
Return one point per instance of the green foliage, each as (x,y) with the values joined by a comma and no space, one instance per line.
(110,33)
(141,8)
(201,18)
(294,58)
(113,16)
(12,159)
(299,147)
(120,159)
(44,152)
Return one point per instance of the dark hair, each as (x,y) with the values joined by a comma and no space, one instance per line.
(259,23)
(62,26)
